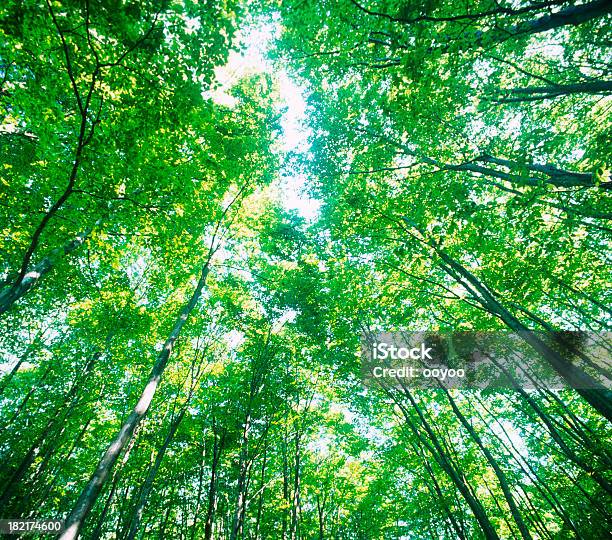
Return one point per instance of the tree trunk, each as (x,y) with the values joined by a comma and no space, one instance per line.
(260,503)
(31,277)
(148,484)
(501,477)
(196,512)
(237,522)
(538,93)
(285,482)
(436,450)
(295,506)
(89,495)
(592,391)
(212,486)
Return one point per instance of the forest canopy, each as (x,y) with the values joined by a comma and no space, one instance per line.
(208,207)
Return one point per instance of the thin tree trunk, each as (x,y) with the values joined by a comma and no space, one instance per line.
(592,391)
(285,483)
(212,497)
(47,434)
(436,450)
(97,532)
(212,487)
(161,535)
(75,520)
(588,297)
(321,517)
(538,93)
(237,522)
(501,476)
(26,354)
(440,495)
(261,494)
(148,483)
(295,506)
(196,512)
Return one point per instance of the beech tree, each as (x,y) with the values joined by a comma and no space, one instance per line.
(182,344)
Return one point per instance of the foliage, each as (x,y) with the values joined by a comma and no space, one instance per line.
(181,353)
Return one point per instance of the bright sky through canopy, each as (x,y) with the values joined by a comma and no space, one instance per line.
(253,58)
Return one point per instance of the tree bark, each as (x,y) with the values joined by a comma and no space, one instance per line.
(538,93)
(31,277)
(212,487)
(501,477)
(148,484)
(89,495)
(592,391)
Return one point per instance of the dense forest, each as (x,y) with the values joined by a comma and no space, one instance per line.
(188,265)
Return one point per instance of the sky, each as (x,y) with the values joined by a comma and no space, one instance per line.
(258,41)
